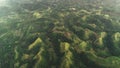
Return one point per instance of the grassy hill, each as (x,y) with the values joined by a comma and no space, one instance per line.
(59,34)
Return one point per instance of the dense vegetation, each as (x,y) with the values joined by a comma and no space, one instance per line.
(58,34)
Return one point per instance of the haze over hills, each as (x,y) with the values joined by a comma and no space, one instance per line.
(59,34)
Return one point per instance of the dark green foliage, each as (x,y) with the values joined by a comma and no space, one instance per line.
(58,34)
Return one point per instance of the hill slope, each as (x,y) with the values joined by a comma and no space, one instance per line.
(67,37)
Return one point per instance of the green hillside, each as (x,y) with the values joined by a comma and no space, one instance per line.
(59,34)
